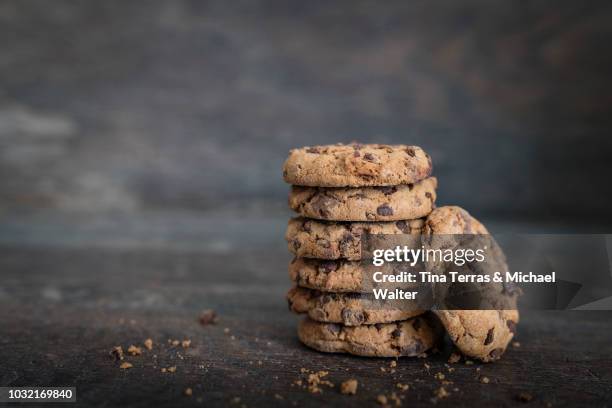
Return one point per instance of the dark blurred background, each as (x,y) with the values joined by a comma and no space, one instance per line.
(131,119)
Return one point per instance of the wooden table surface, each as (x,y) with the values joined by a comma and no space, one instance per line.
(63,307)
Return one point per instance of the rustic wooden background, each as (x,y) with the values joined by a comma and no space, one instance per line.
(140,155)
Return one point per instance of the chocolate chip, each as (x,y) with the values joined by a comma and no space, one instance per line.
(412,349)
(428,194)
(352,317)
(306,226)
(410,187)
(328,266)
(403,226)
(357,146)
(296,244)
(490,337)
(356,154)
(369,157)
(496,353)
(313,150)
(387,190)
(333,328)
(416,324)
(326,299)
(384,210)
(410,152)
(396,333)
(378,326)
(511,326)
(290,304)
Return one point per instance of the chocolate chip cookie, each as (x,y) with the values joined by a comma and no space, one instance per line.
(482,334)
(350,309)
(406,338)
(389,203)
(340,275)
(334,240)
(356,165)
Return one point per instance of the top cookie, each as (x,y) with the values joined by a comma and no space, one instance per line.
(356,165)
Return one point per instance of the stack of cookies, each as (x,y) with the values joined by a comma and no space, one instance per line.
(342,193)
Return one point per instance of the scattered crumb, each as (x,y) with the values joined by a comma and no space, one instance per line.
(516,344)
(316,379)
(125,365)
(188,392)
(382,399)
(169,369)
(186,343)
(427,366)
(117,352)
(133,350)
(524,397)
(478,369)
(393,364)
(441,393)
(450,369)
(469,362)
(148,343)
(402,387)
(207,317)
(484,380)
(298,383)
(439,376)
(349,387)
(164,370)
(175,343)
(454,358)
(383,369)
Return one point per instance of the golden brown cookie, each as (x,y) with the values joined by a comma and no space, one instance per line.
(334,240)
(406,338)
(350,309)
(356,165)
(389,203)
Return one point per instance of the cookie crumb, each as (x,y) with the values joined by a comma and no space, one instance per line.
(175,343)
(133,350)
(439,376)
(316,379)
(427,366)
(125,365)
(148,343)
(383,369)
(188,392)
(484,380)
(186,343)
(393,397)
(382,399)
(469,362)
(454,358)
(516,344)
(117,352)
(393,364)
(349,387)
(207,317)
(524,397)
(441,393)
(402,387)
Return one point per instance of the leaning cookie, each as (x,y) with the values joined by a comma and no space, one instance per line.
(334,240)
(350,309)
(481,334)
(391,203)
(406,338)
(356,165)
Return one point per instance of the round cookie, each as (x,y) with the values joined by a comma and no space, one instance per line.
(334,240)
(356,165)
(340,275)
(406,338)
(481,334)
(390,203)
(350,309)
